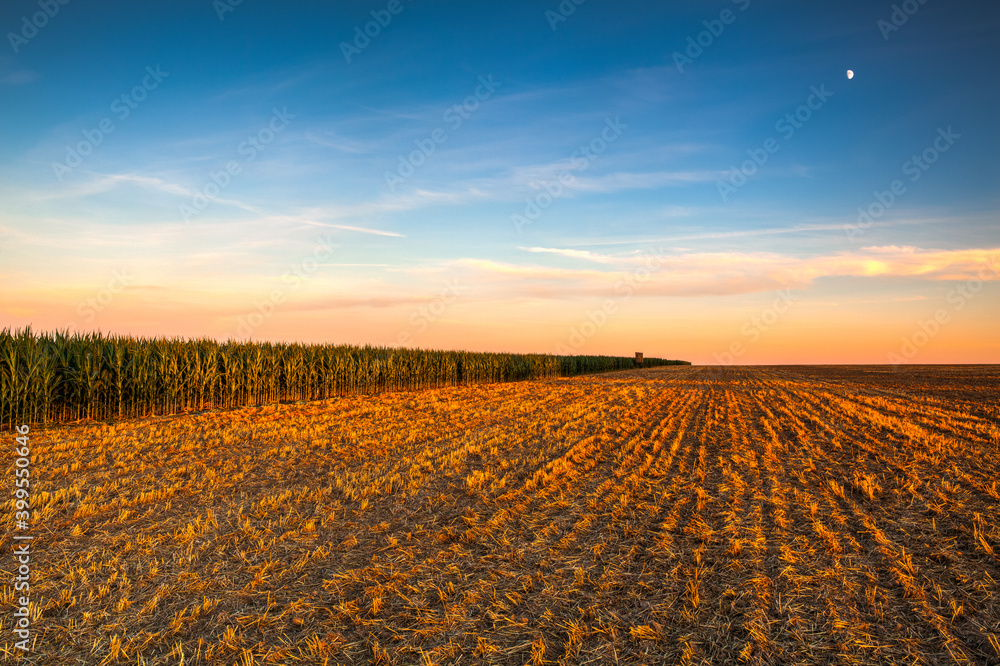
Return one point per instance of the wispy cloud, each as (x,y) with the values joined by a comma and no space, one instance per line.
(348,227)
(619,182)
(102,183)
(528,272)
(574,254)
(343,144)
(769,231)
(720,273)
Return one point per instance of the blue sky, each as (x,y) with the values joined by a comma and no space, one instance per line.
(271,82)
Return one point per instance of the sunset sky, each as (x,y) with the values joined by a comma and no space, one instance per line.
(583,177)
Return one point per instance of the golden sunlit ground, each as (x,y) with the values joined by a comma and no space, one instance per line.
(694,515)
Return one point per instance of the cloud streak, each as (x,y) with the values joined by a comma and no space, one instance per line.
(729,273)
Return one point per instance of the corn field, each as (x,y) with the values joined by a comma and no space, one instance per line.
(60,377)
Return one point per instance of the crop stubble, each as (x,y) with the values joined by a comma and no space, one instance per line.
(669,515)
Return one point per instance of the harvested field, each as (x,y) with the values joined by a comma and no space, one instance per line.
(689,515)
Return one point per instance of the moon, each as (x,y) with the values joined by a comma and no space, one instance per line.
(850,74)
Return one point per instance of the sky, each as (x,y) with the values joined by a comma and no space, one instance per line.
(693,180)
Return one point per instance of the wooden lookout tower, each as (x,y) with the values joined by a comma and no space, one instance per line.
(638,358)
